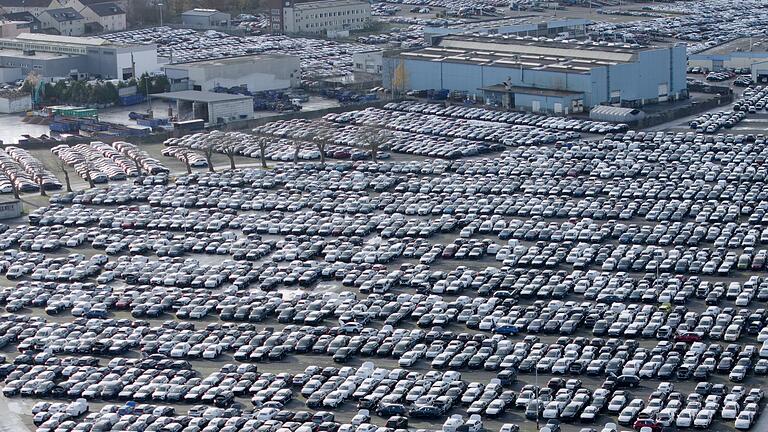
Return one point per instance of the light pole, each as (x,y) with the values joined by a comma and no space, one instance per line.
(160,7)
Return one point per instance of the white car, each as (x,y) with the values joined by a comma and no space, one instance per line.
(685,418)
(744,420)
(730,411)
(704,418)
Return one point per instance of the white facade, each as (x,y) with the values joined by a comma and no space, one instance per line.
(10,209)
(256,73)
(325,16)
(13,102)
(229,111)
(145,60)
(368,62)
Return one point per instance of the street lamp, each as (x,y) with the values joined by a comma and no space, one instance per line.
(160,7)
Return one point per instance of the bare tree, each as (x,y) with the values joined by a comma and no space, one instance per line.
(372,139)
(297,145)
(37,175)
(230,150)
(14,188)
(136,158)
(63,167)
(88,177)
(263,143)
(208,150)
(320,141)
(184,156)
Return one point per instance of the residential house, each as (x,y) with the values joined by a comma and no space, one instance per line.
(65,21)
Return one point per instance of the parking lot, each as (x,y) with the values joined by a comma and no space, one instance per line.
(483,261)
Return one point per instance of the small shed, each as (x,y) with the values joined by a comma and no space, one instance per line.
(10,208)
(14,101)
(616,114)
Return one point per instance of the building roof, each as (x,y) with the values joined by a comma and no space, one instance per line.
(322,4)
(200,96)
(13,94)
(231,60)
(70,40)
(202,12)
(526,53)
(21,16)
(531,90)
(106,9)
(25,3)
(64,14)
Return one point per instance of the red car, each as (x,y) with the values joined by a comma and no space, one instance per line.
(648,423)
(688,337)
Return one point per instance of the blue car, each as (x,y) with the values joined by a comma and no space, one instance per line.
(506,330)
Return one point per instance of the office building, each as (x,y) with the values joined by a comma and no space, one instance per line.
(322,17)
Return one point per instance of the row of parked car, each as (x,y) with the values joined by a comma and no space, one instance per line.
(319,58)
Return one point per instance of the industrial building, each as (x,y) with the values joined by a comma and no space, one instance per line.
(368,62)
(54,56)
(760,72)
(214,108)
(324,17)
(540,74)
(254,73)
(205,18)
(737,54)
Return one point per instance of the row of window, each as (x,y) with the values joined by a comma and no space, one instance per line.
(331,23)
(334,14)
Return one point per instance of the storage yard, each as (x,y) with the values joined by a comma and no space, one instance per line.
(431,262)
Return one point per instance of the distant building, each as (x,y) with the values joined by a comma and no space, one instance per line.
(109,17)
(12,101)
(13,28)
(254,73)
(206,18)
(33,24)
(321,17)
(65,21)
(68,56)
(98,15)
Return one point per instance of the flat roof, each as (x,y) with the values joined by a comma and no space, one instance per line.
(543,46)
(70,40)
(38,55)
(328,4)
(200,96)
(507,60)
(203,12)
(531,90)
(232,60)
